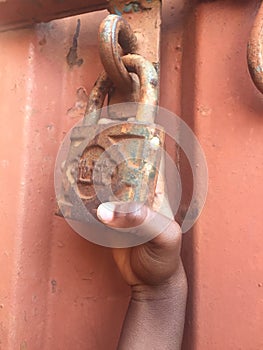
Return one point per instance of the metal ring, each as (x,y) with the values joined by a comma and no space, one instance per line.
(148,77)
(255,50)
(115,32)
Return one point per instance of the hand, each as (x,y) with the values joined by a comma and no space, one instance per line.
(153,263)
(155,317)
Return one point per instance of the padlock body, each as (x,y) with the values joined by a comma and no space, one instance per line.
(111,162)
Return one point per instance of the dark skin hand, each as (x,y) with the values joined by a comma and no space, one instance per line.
(155,317)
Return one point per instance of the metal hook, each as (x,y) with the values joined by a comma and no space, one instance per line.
(115,32)
(255,50)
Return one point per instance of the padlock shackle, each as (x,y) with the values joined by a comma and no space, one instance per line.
(147,105)
(96,99)
(148,77)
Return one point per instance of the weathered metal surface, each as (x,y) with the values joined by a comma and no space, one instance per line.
(148,77)
(223,253)
(255,50)
(148,97)
(96,99)
(20,13)
(115,32)
(116,39)
(114,161)
(59,291)
(144,18)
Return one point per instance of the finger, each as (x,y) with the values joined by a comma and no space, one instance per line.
(139,220)
(122,215)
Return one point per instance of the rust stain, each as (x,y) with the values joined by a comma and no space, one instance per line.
(72,56)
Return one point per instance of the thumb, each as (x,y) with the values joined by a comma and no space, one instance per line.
(138,219)
(122,214)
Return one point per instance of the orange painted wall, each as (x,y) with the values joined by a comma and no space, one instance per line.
(58,291)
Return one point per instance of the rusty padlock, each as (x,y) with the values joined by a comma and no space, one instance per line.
(118,161)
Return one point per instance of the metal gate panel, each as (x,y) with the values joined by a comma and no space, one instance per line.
(224,253)
(58,291)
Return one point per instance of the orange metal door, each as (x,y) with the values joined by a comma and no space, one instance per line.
(58,291)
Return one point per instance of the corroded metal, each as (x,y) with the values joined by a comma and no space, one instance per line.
(114,33)
(144,17)
(120,162)
(116,161)
(255,50)
(149,86)
(96,99)
(148,93)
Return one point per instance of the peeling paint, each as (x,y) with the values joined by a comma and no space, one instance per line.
(53,286)
(72,56)
(23,345)
(78,110)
